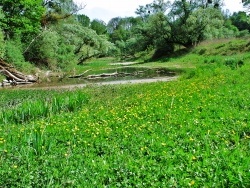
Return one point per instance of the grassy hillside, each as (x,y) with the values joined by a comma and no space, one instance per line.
(208,52)
(194,132)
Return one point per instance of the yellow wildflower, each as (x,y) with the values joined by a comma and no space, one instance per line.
(192,183)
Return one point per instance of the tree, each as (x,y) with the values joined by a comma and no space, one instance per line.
(67,43)
(121,29)
(113,24)
(246,4)
(57,10)
(183,22)
(189,28)
(2,42)
(20,22)
(21,17)
(83,20)
(157,33)
(2,45)
(241,20)
(149,9)
(99,26)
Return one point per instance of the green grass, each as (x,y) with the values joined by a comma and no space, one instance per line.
(94,64)
(24,106)
(214,51)
(224,47)
(194,132)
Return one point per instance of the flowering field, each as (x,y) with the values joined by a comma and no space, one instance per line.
(188,133)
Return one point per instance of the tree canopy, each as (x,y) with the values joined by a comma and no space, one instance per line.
(21,17)
(53,34)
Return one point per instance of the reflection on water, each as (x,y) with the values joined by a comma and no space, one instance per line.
(138,72)
(122,73)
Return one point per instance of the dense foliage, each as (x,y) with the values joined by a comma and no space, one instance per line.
(50,35)
(53,34)
(193,132)
(21,17)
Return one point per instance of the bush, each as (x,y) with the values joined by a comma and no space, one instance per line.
(243,33)
(202,51)
(14,53)
(164,50)
(212,59)
(233,63)
(2,45)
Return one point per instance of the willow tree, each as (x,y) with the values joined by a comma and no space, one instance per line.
(57,10)
(182,22)
(246,4)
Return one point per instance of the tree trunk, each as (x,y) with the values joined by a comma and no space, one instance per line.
(14,77)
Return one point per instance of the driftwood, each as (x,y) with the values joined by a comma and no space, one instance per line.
(105,75)
(14,77)
(79,75)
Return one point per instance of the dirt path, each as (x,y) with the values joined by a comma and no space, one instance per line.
(116,82)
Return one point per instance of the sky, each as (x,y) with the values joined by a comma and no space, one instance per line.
(108,9)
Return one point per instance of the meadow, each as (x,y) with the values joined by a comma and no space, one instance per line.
(193,132)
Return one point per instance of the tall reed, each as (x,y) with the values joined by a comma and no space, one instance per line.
(42,106)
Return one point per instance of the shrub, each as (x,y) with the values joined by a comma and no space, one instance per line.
(243,33)
(14,53)
(202,51)
(163,51)
(213,59)
(233,63)
(2,45)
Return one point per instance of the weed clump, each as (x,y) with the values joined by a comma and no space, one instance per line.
(233,63)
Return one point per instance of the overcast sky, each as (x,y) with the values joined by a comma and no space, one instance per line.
(107,9)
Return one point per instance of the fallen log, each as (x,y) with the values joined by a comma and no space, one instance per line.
(103,75)
(107,75)
(10,76)
(13,83)
(79,75)
(14,77)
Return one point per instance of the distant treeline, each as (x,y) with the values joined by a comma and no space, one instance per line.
(52,34)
